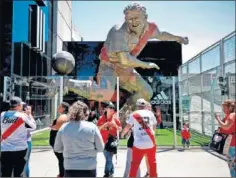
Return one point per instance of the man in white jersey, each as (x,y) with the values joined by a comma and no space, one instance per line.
(144,123)
(14,125)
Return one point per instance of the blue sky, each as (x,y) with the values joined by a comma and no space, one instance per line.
(203,22)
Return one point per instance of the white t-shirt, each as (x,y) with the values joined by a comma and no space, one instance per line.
(141,139)
(29,135)
(17,141)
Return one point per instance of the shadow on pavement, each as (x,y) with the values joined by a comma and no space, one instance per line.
(181,150)
(165,150)
(40,150)
(215,154)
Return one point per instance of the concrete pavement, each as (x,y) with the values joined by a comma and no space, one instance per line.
(172,163)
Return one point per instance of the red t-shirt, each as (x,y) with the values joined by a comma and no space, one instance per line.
(159,120)
(231,130)
(185,134)
(110,130)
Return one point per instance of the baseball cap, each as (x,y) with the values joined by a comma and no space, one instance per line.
(15,101)
(141,102)
(110,105)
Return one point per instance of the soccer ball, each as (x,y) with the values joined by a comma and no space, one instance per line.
(63,62)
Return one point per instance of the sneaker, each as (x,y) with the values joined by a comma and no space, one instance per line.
(111,175)
(146,175)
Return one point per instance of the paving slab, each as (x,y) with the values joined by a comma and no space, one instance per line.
(170,163)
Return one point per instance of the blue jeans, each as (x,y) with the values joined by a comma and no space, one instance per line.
(26,169)
(185,141)
(232,161)
(109,167)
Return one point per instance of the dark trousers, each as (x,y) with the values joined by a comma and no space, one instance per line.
(80,173)
(60,163)
(161,125)
(13,162)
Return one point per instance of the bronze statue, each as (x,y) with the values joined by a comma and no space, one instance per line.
(118,57)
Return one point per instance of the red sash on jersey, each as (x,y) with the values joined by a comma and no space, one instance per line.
(103,54)
(143,40)
(139,46)
(139,119)
(12,129)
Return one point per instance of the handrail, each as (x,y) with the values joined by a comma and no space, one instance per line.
(210,47)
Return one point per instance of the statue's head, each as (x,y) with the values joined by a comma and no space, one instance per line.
(135,17)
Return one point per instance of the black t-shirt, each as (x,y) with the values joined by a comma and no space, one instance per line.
(53,134)
(130,141)
(93,118)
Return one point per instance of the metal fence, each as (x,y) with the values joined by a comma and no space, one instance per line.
(205,82)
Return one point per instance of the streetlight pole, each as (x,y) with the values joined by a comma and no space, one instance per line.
(174,111)
(61,89)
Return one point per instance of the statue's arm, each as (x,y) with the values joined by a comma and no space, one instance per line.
(166,36)
(131,61)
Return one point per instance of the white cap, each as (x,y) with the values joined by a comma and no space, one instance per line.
(141,102)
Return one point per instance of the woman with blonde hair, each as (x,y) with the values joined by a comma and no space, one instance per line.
(228,127)
(79,141)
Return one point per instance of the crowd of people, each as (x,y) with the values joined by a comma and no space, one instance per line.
(76,138)
(79,141)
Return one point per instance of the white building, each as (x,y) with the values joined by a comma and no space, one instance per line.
(75,35)
(64,29)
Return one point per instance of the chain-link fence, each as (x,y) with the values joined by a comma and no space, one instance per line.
(204,83)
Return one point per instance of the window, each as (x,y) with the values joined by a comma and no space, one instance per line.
(194,67)
(211,58)
(208,78)
(230,68)
(36,27)
(17,58)
(184,87)
(26,60)
(229,49)
(184,69)
(195,84)
(184,72)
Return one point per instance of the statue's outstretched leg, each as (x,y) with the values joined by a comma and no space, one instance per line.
(138,86)
(91,90)
(140,89)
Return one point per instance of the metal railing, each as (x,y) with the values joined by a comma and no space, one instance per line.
(200,91)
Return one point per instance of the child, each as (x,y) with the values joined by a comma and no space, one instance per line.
(186,135)
(159,117)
